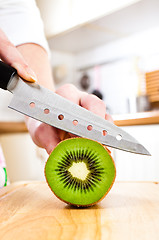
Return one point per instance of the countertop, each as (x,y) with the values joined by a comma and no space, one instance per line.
(141,118)
(29,210)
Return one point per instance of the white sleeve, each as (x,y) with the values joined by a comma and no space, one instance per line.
(22,23)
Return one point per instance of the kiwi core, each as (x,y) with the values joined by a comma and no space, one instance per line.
(79,170)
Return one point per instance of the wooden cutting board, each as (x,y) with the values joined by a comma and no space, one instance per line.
(30,211)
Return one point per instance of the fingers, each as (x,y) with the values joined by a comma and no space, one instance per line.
(69,92)
(93,104)
(46,137)
(10,55)
(109,118)
(43,135)
(88,101)
(24,71)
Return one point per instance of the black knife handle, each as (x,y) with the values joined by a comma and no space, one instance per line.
(6,74)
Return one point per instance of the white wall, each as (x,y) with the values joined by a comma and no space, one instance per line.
(144,44)
(121,68)
(63,65)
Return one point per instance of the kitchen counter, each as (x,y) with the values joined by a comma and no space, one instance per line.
(12,127)
(29,210)
(141,118)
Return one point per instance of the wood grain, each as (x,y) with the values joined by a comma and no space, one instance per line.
(154,98)
(30,211)
(152,86)
(152,89)
(152,82)
(152,73)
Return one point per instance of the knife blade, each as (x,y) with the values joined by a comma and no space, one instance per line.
(35,101)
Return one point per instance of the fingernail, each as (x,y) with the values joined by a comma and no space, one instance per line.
(31,79)
(26,74)
(31,75)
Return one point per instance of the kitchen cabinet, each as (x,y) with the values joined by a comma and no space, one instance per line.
(134,167)
(88,25)
(29,210)
(63,15)
(24,160)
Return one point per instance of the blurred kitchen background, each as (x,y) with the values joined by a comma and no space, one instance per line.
(109,48)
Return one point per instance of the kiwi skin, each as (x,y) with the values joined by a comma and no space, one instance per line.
(91,204)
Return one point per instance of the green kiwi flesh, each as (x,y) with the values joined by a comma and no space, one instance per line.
(80,171)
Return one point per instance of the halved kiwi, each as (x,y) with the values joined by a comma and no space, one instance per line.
(80,171)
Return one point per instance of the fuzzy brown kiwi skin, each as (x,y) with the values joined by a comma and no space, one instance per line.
(91,204)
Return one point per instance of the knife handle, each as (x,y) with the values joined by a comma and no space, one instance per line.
(6,74)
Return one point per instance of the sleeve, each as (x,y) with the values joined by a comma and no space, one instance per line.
(21,22)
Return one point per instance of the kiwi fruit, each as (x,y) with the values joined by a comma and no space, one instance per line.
(80,171)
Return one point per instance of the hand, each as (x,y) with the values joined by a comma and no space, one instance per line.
(10,55)
(48,137)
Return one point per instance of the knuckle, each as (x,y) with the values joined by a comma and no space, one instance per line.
(70,92)
(39,132)
(25,65)
(97,100)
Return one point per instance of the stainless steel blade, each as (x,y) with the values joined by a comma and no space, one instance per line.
(42,104)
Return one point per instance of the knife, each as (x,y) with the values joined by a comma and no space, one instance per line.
(35,101)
